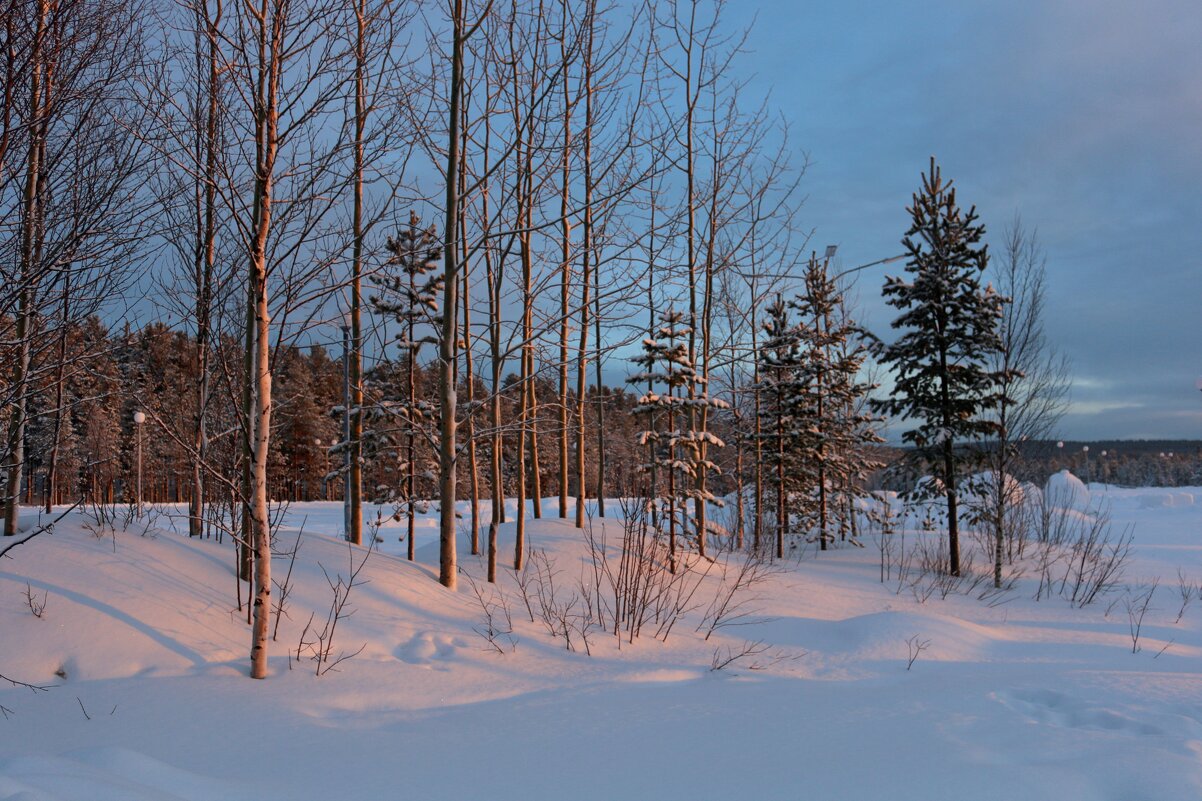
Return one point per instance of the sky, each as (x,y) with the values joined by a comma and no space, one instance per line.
(1084,118)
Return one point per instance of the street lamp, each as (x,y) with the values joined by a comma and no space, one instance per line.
(325,473)
(830,254)
(1085,450)
(139,419)
(345,324)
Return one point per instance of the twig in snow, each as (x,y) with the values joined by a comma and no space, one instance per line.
(36,605)
(916,647)
(37,688)
(1137,607)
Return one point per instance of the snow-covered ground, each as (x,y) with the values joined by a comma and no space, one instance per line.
(1011,698)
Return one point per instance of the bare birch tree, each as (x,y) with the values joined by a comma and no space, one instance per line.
(70,191)
(1035,378)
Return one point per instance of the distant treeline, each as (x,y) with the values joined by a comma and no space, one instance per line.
(1122,462)
(88,439)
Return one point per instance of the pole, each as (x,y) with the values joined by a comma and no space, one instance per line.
(139,504)
(346,431)
(139,419)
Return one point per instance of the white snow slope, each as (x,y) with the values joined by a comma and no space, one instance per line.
(145,655)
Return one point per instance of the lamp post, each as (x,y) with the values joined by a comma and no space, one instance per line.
(346,425)
(1085,450)
(139,419)
(321,451)
(830,254)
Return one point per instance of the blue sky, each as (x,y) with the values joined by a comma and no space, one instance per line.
(1083,117)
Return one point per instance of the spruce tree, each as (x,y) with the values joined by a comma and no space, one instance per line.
(949,328)
(835,428)
(674,449)
(782,388)
(409,291)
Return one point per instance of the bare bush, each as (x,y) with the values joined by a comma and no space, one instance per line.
(1077,555)
(498,623)
(634,582)
(321,647)
(629,588)
(36,605)
(1047,557)
(110,519)
(732,604)
(558,609)
(284,588)
(883,525)
(915,647)
(1188,592)
(1096,560)
(1053,522)
(1137,606)
(756,651)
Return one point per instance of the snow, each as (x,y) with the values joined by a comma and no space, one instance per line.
(1065,491)
(1010,699)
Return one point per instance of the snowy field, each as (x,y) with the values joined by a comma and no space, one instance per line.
(145,657)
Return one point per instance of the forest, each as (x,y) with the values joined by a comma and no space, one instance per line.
(505,389)
(404,256)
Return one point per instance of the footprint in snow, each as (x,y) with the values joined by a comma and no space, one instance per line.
(1053,708)
(428,646)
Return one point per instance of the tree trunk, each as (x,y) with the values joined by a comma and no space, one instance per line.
(565,278)
(59,381)
(266,130)
(249,392)
(355,474)
(447,400)
(29,228)
(411,434)
(468,361)
(953,527)
(204,266)
(582,375)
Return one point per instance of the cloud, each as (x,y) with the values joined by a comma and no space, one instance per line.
(1083,116)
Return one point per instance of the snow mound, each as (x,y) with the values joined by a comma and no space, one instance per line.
(1066,491)
(882,636)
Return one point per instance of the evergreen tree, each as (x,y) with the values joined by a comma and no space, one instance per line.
(782,388)
(834,427)
(674,450)
(949,326)
(410,294)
